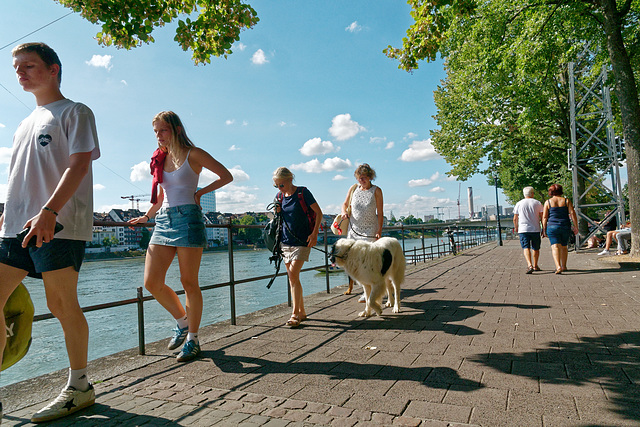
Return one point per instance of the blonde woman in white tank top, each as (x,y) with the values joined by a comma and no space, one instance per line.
(179,228)
(366,202)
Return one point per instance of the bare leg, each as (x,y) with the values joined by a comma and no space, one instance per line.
(155,270)
(555,251)
(189,261)
(293,270)
(62,299)
(564,254)
(348,291)
(527,257)
(536,256)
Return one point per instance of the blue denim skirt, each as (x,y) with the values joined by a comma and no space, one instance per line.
(181,226)
(559,234)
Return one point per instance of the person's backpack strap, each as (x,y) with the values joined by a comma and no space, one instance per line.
(310,213)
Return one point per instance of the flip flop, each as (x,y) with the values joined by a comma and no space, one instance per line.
(536,268)
(530,270)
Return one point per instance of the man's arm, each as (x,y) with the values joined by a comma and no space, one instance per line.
(42,225)
(515,223)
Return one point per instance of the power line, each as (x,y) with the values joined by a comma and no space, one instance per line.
(17,40)
(35,31)
(19,100)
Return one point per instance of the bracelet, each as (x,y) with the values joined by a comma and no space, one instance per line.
(46,208)
(148,217)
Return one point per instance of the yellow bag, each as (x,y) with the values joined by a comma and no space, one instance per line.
(18,317)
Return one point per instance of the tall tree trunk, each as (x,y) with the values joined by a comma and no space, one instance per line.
(627,93)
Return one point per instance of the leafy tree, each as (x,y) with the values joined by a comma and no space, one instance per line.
(127,24)
(145,238)
(521,39)
(110,241)
(250,235)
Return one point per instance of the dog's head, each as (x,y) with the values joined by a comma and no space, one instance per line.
(340,250)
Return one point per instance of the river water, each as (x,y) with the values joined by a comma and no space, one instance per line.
(115,329)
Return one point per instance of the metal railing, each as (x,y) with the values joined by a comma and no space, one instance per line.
(471,236)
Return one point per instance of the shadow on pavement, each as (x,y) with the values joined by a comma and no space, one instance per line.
(612,361)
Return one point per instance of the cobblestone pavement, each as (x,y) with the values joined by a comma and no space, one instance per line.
(477,342)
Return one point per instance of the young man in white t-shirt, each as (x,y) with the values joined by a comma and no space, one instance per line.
(527,220)
(50,180)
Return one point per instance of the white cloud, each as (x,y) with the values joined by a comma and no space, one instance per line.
(98,61)
(124,82)
(354,27)
(377,139)
(259,58)
(234,148)
(124,206)
(424,181)
(245,123)
(452,178)
(234,198)
(390,145)
(420,182)
(339,178)
(437,190)
(410,135)
(240,46)
(98,187)
(140,172)
(238,174)
(329,165)
(316,146)
(5,155)
(342,127)
(419,150)
(282,124)
(229,122)
(2,126)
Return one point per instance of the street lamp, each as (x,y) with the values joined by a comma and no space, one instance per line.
(495,181)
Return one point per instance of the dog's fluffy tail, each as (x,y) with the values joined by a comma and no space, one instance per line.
(398,275)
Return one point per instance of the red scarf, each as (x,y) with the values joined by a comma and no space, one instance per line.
(157,166)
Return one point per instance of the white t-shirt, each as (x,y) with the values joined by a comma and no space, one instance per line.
(528,211)
(42,145)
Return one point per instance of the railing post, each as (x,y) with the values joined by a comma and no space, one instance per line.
(326,258)
(140,304)
(424,254)
(402,233)
(232,286)
(438,240)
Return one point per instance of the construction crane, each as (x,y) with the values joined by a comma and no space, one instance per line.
(136,198)
(459,186)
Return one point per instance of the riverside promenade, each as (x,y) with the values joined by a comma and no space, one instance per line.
(477,342)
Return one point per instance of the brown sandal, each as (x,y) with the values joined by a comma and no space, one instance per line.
(293,322)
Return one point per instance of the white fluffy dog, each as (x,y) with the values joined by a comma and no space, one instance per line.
(378,266)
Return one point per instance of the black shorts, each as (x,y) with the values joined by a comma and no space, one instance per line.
(55,255)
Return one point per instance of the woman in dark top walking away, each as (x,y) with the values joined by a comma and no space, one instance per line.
(559,220)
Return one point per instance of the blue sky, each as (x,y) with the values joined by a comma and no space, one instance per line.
(308,88)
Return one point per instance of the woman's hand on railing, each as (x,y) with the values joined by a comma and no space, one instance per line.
(138,220)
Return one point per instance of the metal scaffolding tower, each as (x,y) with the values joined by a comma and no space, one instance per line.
(595,153)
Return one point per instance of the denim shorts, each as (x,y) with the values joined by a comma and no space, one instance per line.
(180,226)
(54,255)
(559,234)
(530,240)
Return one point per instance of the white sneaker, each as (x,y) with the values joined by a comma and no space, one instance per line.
(604,252)
(68,401)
